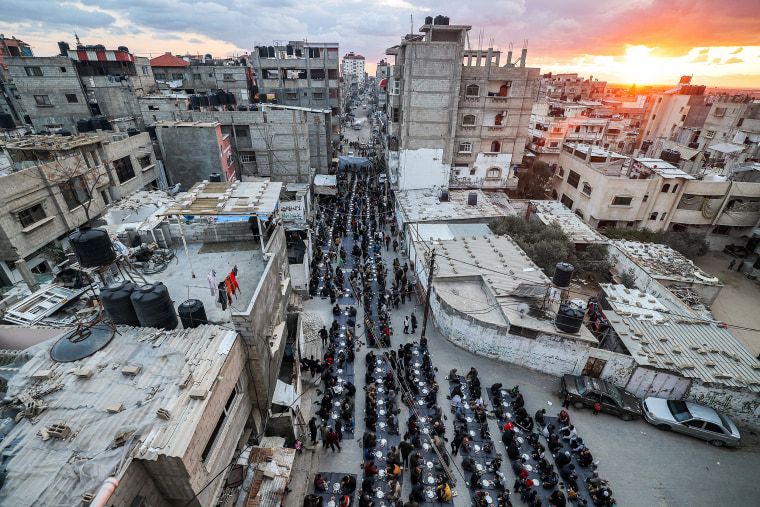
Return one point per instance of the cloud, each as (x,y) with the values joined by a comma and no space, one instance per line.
(733,59)
(166,36)
(195,41)
(56,14)
(737,51)
(704,51)
(716,60)
(700,58)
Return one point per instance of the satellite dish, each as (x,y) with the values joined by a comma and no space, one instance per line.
(82,342)
(523,308)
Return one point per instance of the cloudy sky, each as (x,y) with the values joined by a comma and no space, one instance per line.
(623,41)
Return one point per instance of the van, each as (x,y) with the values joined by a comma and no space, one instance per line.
(358,125)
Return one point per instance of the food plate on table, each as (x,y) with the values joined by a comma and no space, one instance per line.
(529,468)
(479,467)
(426,446)
(431,480)
(383,441)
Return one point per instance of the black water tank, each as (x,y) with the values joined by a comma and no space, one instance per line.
(646,145)
(428,20)
(154,306)
(6,121)
(66,133)
(231,98)
(63,48)
(204,100)
(104,123)
(192,313)
(131,132)
(289,49)
(215,178)
(472,198)
(245,108)
(270,51)
(117,302)
(298,53)
(444,196)
(151,129)
(221,96)
(694,145)
(123,48)
(92,247)
(569,319)
(213,100)
(563,273)
(195,101)
(438,20)
(84,126)
(445,20)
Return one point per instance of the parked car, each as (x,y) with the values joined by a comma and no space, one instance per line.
(587,391)
(691,419)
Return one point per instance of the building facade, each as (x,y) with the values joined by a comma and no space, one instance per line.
(353,65)
(198,75)
(456,117)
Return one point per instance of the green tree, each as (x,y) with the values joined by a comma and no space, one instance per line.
(628,278)
(533,182)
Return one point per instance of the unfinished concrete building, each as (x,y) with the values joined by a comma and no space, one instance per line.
(202,75)
(457,117)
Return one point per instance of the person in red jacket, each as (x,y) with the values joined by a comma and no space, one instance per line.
(333,440)
(370,470)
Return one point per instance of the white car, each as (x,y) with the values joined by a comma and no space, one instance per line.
(691,419)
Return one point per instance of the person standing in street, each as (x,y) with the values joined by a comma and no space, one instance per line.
(323,336)
(323,431)
(406,325)
(406,449)
(313,430)
(414,323)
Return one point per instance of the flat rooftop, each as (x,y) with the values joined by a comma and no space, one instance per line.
(220,258)
(662,168)
(52,143)
(571,224)
(488,277)
(664,335)
(240,198)
(662,262)
(425,206)
(59,471)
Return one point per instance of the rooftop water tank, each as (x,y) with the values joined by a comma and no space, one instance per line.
(215,178)
(563,273)
(154,306)
(117,302)
(192,313)
(92,247)
(472,198)
(569,319)
(428,20)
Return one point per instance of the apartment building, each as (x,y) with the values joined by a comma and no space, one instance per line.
(611,190)
(570,87)
(353,65)
(382,72)
(203,75)
(53,179)
(457,117)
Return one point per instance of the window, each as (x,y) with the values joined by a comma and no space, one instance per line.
(333,93)
(561,171)
(556,130)
(720,112)
(74,192)
(567,201)
(495,147)
(63,69)
(153,108)
(465,148)
(33,71)
(246,159)
(714,428)
(177,77)
(473,171)
(665,188)
(645,199)
(472,90)
(573,179)
(144,161)
(145,70)
(653,216)
(31,215)
(124,170)
(395,115)
(317,73)
(159,75)
(493,173)
(675,188)
(468,119)
(241,131)
(554,144)
(664,213)
(228,77)
(586,189)
(499,119)
(226,411)
(42,100)
(71,98)
(710,134)
(620,200)
(579,212)
(319,95)
(292,96)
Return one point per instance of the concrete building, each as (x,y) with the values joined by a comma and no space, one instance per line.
(382,73)
(160,423)
(577,231)
(53,179)
(199,75)
(456,117)
(609,190)
(303,74)
(52,93)
(353,65)
(457,206)
(9,95)
(191,151)
(569,87)
(279,142)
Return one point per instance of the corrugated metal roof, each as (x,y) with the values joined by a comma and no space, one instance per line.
(60,471)
(267,492)
(675,338)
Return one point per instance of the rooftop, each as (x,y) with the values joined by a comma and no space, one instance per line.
(662,168)
(490,278)
(168,60)
(663,262)
(52,143)
(676,338)
(425,206)
(58,471)
(571,224)
(228,199)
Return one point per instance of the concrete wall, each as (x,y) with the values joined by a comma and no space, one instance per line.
(741,406)
(267,308)
(549,354)
(422,168)
(137,487)
(117,99)
(202,232)
(190,153)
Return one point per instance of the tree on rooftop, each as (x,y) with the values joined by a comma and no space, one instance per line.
(533,182)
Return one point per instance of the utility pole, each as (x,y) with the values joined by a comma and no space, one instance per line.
(427,295)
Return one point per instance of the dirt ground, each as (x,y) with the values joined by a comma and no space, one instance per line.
(738,302)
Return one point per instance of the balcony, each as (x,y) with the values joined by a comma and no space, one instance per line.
(472,99)
(475,182)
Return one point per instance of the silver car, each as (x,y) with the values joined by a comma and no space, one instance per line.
(691,419)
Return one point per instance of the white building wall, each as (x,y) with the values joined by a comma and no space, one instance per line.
(422,168)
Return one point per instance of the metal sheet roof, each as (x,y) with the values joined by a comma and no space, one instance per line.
(242,198)
(676,338)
